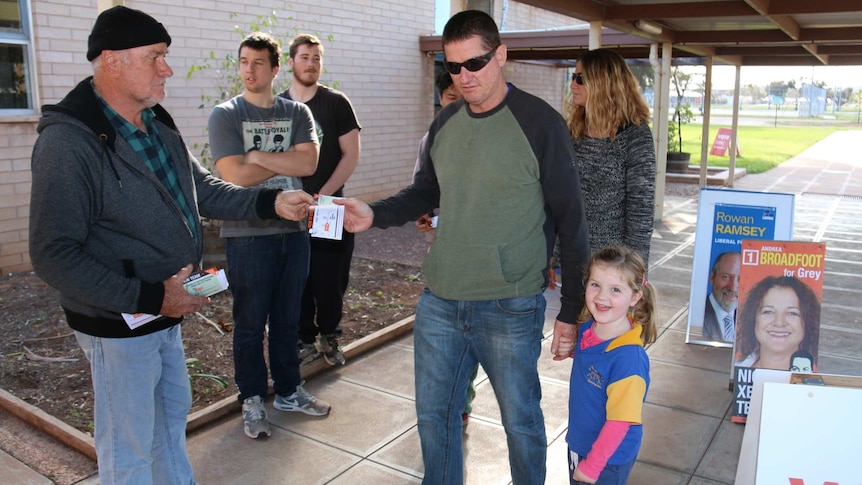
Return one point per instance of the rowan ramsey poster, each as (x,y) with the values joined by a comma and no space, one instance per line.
(725,218)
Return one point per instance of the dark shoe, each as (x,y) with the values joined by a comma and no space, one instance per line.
(307,353)
(328,346)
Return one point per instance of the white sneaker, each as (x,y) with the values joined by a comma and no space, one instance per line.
(254,422)
(301,401)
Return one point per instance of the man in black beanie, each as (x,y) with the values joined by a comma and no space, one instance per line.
(115,227)
(120,28)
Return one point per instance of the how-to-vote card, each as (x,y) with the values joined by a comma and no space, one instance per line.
(327,219)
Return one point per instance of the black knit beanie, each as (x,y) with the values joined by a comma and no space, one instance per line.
(121,28)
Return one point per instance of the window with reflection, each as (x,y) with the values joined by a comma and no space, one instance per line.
(15,41)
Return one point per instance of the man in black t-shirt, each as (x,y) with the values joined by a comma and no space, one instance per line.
(338,132)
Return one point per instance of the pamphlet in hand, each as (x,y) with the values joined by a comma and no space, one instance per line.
(207,282)
(327,220)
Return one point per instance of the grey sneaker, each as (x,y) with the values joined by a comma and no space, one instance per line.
(302,402)
(254,422)
(328,346)
(307,353)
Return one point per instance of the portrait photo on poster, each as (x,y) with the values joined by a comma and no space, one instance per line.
(781,293)
(724,219)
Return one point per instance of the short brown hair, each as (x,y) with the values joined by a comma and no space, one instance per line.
(303,39)
(262,41)
(468,23)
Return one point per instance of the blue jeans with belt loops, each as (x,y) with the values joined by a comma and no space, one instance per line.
(267,275)
(142,396)
(505,337)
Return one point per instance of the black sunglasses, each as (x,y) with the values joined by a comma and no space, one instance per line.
(578,77)
(472,65)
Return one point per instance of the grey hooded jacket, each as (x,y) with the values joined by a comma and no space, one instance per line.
(103,229)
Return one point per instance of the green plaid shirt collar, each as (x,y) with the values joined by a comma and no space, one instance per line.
(150,147)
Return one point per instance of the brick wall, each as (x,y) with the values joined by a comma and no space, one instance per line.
(372,54)
(15,195)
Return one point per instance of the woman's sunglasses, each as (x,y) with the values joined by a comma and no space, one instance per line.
(578,77)
(472,65)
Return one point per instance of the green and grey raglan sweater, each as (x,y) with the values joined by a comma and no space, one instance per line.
(503,180)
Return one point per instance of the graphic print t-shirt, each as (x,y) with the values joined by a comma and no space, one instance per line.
(237,127)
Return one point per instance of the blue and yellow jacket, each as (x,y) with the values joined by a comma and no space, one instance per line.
(609,381)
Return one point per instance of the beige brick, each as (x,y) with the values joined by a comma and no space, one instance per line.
(14,263)
(10,237)
(23,164)
(16,176)
(24,187)
(15,225)
(9,262)
(14,200)
(7,213)
(16,247)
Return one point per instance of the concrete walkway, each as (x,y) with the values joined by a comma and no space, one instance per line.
(370,436)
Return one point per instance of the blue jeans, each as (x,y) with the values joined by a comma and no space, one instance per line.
(450,338)
(611,475)
(142,395)
(267,276)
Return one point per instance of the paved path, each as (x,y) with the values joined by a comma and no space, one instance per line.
(370,436)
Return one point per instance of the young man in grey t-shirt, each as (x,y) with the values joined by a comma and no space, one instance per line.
(267,260)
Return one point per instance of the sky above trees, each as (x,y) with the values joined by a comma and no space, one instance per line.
(834,76)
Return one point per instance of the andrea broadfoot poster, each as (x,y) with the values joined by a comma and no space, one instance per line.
(724,219)
(778,322)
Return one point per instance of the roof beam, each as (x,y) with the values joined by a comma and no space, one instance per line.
(586,10)
(793,7)
(796,32)
(786,24)
(791,28)
(732,37)
(800,61)
(548,39)
(762,50)
(835,34)
(728,8)
(812,49)
(840,49)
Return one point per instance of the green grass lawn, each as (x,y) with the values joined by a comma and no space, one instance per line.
(761,147)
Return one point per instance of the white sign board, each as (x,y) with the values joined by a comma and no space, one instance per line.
(809,435)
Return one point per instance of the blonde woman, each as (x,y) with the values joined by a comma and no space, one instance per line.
(608,120)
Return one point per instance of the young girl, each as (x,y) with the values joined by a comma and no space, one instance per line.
(610,375)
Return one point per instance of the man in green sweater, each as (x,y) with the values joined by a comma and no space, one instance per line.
(501,168)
